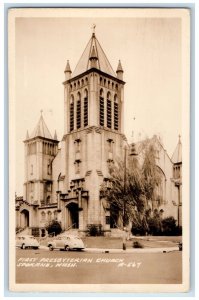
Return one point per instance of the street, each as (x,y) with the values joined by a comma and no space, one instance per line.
(44,266)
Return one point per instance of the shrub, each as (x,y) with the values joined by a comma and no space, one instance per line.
(155,226)
(137,244)
(95,229)
(138,230)
(140,227)
(54,227)
(170,228)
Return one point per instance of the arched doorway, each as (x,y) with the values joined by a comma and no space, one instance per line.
(73,213)
(24,218)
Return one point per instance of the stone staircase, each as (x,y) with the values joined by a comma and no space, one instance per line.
(71,231)
(24,231)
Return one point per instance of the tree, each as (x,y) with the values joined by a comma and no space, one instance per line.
(124,189)
(150,172)
(130,188)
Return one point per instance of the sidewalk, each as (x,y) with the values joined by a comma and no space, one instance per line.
(128,250)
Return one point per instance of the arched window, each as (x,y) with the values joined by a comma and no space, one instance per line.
(31,170)
(55,215)
(78,113)
(49,216)
(43,216)
(101,110)
(85,108)
(72,113)
(49,167)
(115,113)
(109,111)
(48,200)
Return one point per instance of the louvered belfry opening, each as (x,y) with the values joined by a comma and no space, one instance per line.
(85,108)
(109,111)
(78,115)
(101,110)
(72,114)
(116,120)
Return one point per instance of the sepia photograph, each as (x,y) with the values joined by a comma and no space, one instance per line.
(99,113)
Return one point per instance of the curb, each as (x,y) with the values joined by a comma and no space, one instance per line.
(133,250)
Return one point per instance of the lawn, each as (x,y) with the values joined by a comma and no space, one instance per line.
(117,243)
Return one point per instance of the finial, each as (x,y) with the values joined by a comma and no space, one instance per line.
(179,136)
(41,111)
(93,28)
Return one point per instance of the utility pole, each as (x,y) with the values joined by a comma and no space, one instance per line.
(124,202)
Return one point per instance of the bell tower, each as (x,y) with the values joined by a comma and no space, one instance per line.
(40,150)
(93,101)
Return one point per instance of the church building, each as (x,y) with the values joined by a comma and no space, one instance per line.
(63,178)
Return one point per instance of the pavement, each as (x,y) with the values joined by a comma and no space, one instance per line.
(128,250)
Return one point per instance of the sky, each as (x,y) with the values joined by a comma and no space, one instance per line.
(150,53)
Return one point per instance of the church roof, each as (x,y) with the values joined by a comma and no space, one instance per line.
(41,130)
(177,155)
(93,49)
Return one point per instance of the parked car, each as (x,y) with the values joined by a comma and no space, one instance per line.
(25,241)
(66,243)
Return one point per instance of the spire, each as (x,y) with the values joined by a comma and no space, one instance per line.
(119,71)
(55,136)
(27,135)
(93,58)
(93,52)
(41,130)
(177,155)
(133,151)
(119,67)
(67,71)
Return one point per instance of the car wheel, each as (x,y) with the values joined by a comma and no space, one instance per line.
(23,246)
(66,248)
(50,247)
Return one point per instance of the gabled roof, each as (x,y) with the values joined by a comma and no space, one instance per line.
(93,49)
(41,130)
(177,155)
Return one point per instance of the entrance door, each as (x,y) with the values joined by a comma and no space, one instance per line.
(73,215)
(24,218)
